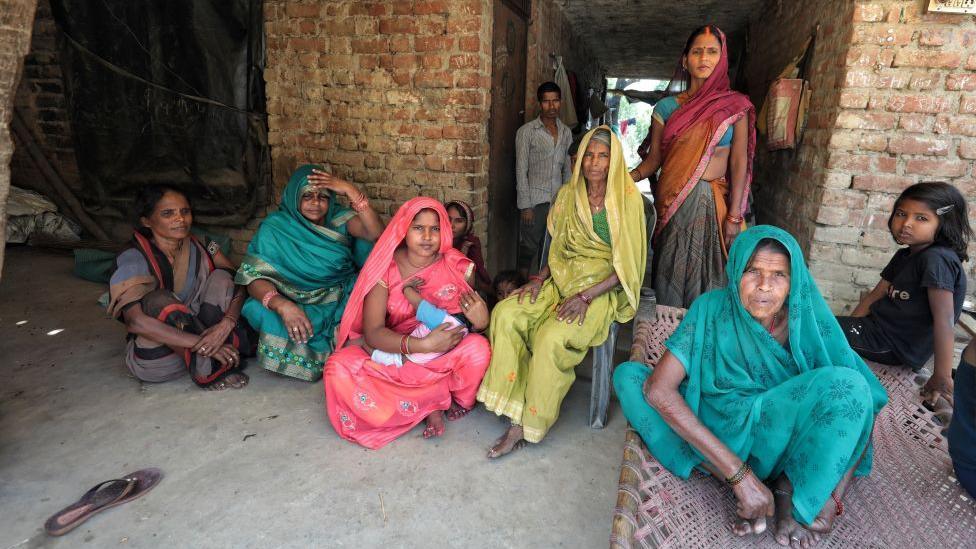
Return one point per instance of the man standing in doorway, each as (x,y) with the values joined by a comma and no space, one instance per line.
(541,167)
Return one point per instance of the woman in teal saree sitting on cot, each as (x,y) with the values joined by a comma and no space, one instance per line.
(759,387)
(300,268)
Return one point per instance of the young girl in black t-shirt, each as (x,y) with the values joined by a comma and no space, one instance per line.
(912,310)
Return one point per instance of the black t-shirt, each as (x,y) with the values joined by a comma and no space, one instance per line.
(904,314)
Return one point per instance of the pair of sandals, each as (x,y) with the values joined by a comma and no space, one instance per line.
(102,496)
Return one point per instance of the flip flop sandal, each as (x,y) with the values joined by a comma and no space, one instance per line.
(102,496)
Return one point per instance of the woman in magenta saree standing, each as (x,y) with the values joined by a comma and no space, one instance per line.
(372,404)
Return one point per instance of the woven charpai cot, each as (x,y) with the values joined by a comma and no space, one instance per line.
(911,498)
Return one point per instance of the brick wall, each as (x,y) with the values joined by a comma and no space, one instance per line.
(40,100)
(16,17)
(550,32)
(907,114)
(393,95)
(788,186)
(893,104)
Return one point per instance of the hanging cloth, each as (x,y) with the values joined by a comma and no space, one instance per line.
(567,110)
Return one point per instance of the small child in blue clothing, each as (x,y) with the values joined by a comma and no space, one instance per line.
(430,317)
(962,430)
(911,312)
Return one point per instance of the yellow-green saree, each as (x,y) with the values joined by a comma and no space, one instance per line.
(534,356)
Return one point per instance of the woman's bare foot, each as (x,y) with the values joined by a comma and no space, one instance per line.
(457,411)
(507,443)
(233,380)
(435,424)
(744,527)
(824,522)
(788,532)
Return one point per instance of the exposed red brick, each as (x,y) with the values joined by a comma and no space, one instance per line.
(463,25)
(957,125)
(401,44)
(307,44)
(370,45)
(863,78)
(869,12)
(919,145)
(433,79)
(883,34)
(923,58)
(866,121)
(967,105)
(469,43)
(398,25)
(940,168)
(466,61)
(934,37)
(961,81)
(870,56)
(428,7)
(924,81)
(303,10)
(434,43)
(853,99)
(432,61)
(883,164)
(918,103)
(967,149)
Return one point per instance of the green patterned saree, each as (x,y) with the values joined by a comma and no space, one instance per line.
(312,265)
(805,410)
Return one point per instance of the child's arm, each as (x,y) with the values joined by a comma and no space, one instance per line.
(411,292)
(864,306)
(943,318)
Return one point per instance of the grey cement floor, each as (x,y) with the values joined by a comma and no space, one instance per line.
(260,467)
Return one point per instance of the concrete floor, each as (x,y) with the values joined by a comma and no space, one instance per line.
(260,467)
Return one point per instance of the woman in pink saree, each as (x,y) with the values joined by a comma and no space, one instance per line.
(372,404)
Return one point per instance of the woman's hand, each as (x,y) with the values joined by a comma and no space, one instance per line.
(573,309)
(476,310)
(731,230)
(935,387)
(531,288)
(227,355)
(752,498)
(335,184)
(213,337)
(296,323)
(442,339)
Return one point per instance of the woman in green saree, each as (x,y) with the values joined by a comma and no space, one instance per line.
(759,387)
(300,268)
(596,265)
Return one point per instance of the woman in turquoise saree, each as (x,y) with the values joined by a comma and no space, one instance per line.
(300,268)
(759,387)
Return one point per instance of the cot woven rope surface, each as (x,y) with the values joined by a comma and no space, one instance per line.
(911,498)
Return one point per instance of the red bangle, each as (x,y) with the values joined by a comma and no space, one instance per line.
(586,299)
(537,277)
(403,344)
(838,505)
(733,219)
(266,300)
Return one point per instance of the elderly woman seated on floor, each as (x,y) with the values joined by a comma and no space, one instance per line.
(177,297)
(760,388)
